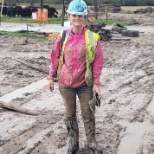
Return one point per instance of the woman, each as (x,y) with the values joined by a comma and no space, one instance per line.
(78,63)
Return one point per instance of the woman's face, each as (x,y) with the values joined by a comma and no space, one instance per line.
(76,20)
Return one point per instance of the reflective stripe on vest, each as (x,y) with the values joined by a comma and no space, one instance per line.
(91,43)
(91,39)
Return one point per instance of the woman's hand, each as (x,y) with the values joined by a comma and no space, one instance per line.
(51,85)
(96,89)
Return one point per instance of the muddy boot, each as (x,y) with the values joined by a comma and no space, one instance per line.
(95,149)
(90,134)
(73,133)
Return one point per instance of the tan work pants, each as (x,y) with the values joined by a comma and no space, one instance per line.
(84,94)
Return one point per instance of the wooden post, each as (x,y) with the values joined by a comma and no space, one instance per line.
(0,18)
(41,4)
(96,8)
(106,13)
(1,11)
(26,41)
(63,14)
(41,11)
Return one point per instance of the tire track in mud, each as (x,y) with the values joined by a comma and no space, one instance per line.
(57,142)
(108,132)
(46,133)
(127,104)
(16,75)
(27,139)
(130,94)
(124,116)
(127,94)
(32,137)
(108,135)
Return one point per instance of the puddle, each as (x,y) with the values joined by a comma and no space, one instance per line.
(22,54)
(132,140)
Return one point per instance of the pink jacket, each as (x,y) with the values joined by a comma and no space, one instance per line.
(73,70)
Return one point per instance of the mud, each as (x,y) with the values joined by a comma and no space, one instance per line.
(124,122)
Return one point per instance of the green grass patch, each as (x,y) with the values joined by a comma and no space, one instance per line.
(54,21)
(29,20)
(16,20)
(111,22)
(25,35)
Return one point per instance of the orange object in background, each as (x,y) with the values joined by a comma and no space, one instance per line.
(40,15)
(91,19)
(52,36)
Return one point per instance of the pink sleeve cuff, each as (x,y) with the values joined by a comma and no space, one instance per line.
(97,82)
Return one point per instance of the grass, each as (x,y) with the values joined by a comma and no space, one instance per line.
(29,20)
(111,22)
(54,21)
(25,34)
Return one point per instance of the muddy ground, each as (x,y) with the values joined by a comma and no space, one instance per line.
(125,120)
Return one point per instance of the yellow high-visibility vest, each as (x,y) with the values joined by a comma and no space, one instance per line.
(91,39)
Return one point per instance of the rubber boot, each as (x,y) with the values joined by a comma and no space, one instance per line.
(90,134)
(73,133)
(95,149)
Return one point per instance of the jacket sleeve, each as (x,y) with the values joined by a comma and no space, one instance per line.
(54,58)
(97,64)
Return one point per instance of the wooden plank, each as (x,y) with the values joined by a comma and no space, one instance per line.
(19,109)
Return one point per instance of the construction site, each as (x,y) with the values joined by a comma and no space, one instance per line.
(32,117)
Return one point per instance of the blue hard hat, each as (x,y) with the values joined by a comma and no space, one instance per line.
(77,7)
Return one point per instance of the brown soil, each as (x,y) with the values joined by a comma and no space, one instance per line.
(124,122)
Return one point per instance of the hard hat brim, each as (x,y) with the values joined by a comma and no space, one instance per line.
(78,13)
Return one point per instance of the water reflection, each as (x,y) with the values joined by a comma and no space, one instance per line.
(24,54)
